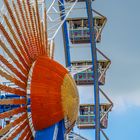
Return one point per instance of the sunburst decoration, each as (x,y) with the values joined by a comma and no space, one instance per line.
(27,57)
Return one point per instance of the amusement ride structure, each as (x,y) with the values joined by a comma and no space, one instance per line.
(39,98)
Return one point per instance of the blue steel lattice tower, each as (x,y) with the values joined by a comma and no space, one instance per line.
(87,30)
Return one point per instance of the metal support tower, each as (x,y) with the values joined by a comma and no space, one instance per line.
(95,68)
(94,59)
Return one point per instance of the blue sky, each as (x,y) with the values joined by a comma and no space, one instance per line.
(120,42)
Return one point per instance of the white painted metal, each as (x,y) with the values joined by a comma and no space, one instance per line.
(74,136)
(54,18)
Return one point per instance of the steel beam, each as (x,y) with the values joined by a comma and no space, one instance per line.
(65,34)
(95,68)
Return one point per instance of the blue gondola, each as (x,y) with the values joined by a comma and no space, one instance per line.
(86,77)
(79,30)
(86,119)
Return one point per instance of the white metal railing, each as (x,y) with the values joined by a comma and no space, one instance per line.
(78,69)
(74,136)
(54,16)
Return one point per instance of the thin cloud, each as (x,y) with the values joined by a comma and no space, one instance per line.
(122,102)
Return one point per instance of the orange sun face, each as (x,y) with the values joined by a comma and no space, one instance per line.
(53,94)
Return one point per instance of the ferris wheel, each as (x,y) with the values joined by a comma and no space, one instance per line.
(38,96)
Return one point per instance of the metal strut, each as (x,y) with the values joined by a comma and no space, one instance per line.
(95,68)
(65,34)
